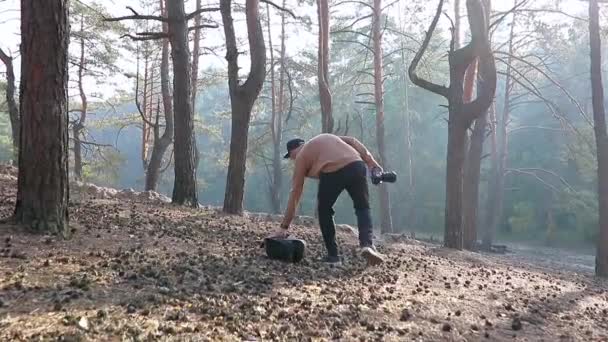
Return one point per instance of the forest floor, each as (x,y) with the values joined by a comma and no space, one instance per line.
(135,271)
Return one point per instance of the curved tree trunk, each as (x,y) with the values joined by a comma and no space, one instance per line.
(461,115)
(385,202)
(242,97)
(161,143)
(184,187)
(327,120)
(42,187)
(13,110)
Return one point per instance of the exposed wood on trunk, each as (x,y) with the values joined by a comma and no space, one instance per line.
(184,187)
(161,143)
(42,187)
(13,110)
(327,120)
(601,138)
(386,221)
(242,97)
(461,115)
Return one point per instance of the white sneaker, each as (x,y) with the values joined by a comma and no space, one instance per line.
(372,256)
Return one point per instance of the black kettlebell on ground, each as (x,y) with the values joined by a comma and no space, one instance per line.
(288,249)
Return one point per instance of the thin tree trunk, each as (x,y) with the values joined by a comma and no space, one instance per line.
(457,25)
(493,184)
(13,110)
(274,194)
(327,120)
(277,155)
(410,214)
(79,124)
(161,143)
(184,187)
(385,203)
(42,187)
(195,58)
(145,127)
(495,207)
(601,138)
(242,97)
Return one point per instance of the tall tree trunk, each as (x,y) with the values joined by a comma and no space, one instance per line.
(274,132)
(242,97)
(161,143)
(601,138)
(145,126)
(385,203)
(42,187)
(411,211)
(196,52)
(277,155)
(497,184)
(327,120)
(184,187)
(79,124)
(472,170)
(13,110)
(473,167)
(457,25)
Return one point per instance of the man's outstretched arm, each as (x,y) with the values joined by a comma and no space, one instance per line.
(297,186)
(363,151)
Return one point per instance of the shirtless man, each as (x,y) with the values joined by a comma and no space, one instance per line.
(339,162)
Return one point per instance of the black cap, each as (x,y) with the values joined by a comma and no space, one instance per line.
(292,145)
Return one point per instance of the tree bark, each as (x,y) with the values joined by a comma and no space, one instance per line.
(471,183)
(79,124)
(42,187)
(327,120)
(13,110)
(601,138)
(242,97)
(161,143)
(385,203)
(184,187)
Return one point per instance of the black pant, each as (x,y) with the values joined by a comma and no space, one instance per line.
(353,178)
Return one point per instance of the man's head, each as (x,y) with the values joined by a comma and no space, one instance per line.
(293,147)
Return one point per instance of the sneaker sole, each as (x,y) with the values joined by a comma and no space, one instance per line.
(372,258)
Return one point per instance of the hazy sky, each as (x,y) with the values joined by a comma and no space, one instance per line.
(300,37)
